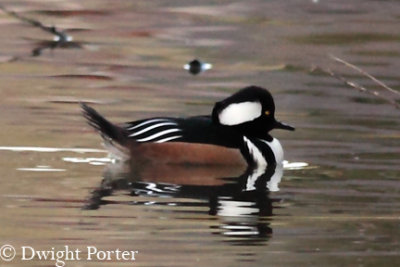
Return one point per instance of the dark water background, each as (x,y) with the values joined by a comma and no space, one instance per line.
(126,58)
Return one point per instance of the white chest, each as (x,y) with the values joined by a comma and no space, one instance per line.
(276,148)
(256,151)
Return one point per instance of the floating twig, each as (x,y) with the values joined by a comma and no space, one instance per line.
(60,36)
(61,39)
(383,85)
(355,85)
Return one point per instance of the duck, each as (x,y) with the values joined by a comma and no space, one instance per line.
(236,133)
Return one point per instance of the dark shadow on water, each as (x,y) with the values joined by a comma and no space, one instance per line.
(242,203)
(41,46)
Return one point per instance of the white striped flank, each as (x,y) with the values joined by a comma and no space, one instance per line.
(255,153)
(261,163)
(153,127)
(169,139)
(147,122)
(159,134)
(276,148)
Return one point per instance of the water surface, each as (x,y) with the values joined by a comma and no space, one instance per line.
(126,59)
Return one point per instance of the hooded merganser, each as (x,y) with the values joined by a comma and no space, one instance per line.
(236,133)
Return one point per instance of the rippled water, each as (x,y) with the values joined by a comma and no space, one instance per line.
(59,188)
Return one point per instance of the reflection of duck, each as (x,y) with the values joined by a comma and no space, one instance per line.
(236,132)
(241,201)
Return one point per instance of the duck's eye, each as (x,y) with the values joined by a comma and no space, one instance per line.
(267,112)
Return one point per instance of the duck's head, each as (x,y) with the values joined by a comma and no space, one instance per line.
(250,110)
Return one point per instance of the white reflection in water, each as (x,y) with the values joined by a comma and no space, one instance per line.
(237,208)
(272,184)
(240,230)
(41,169)
(92,161)
(50,149)
(294,165)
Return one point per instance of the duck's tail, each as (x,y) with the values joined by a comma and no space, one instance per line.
(115,137)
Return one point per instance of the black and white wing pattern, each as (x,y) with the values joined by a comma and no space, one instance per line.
(197,129)
(155,130)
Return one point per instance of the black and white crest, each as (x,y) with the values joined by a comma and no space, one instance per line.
(245,106)
(238,113)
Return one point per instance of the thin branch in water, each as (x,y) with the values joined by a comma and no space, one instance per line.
(383,85)
(60,36)
(355,85)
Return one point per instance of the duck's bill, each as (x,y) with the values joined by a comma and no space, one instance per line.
(283,126)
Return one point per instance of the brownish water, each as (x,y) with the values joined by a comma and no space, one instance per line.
(126,58)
